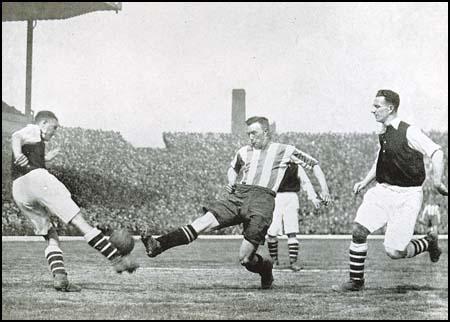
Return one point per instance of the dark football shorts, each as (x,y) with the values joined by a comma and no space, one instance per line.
(251,205)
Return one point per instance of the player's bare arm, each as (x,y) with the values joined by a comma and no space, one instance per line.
(19,158)
(325,193)
(371,175)
(308,187)
(231,175)
(50,155)
(437,160)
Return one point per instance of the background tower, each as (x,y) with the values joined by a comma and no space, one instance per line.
(238,112)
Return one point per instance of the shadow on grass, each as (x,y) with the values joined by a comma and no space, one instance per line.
(404,288)
(217,287)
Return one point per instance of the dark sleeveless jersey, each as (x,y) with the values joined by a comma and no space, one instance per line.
(36,156)
(398,164)
(290,181)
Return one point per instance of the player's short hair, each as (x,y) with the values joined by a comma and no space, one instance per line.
(391,97)
(44,115)
(261,120)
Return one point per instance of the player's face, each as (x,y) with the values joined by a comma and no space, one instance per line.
(381,109)
(257,135)
(48,128)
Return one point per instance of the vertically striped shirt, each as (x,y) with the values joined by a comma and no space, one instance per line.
(266,167)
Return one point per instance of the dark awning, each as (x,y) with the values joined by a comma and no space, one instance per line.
(22,11)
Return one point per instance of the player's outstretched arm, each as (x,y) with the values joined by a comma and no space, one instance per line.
(437,161)
(325,193)
(308,187)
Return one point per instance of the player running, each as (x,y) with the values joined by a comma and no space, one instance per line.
(38,194)
(396,199)
(251,202)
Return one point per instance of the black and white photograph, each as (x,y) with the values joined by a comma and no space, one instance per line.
(224,161)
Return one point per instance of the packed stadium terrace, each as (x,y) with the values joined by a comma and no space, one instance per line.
(118,185)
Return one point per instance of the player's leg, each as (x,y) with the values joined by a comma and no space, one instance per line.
(97,240)
(293,247)
(181,236)
(55,260)
(371,215)
(290,223)
(399,242)
(357,256)
(274,230)
(258,217)
(255,263)
(433,220)
(222,214)
(39,218)
(272,245)
(52,194)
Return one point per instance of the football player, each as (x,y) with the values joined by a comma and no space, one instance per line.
(251,202)
(396,199)
(285,215)
(38,194)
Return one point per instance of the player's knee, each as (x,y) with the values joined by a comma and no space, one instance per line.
(205,223)
(359,234)
(244,260)
(271,239)
(394,253)
(52,236)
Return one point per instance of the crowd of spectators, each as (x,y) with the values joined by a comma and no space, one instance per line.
(118,185)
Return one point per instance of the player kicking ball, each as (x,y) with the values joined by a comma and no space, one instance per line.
(38,193)
(396,199)
(262,165)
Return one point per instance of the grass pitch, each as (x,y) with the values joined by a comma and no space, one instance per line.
(205,281)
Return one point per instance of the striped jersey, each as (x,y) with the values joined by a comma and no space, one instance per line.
(266,167)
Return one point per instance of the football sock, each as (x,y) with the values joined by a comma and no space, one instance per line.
(358,254)
(55,259)
(273,249)
(97,240)
(181,236)
(416,247)
(293,247)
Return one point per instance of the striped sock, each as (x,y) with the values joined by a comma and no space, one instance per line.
(416,247)
(100,242)
(358,254)
(55,259)
(181,236)
(293,247)
(273,249)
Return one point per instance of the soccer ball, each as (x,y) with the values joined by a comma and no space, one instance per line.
(122,240)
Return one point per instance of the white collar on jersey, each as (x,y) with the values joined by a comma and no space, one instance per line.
(395,122)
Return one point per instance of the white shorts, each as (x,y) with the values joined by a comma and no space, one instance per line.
(396,207)
(39,194)
(285,215)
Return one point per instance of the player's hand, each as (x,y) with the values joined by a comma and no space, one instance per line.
(21,160)
(316,202)
(358,187)
(325,197)
(52,154)
(441,188)
(230,188)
